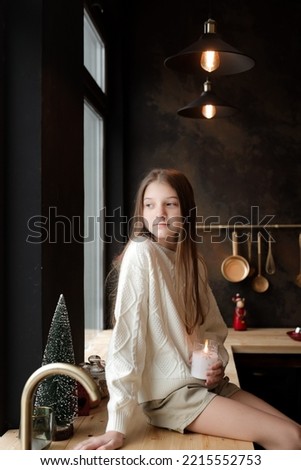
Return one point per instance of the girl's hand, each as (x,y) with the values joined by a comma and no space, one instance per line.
(110,440)
(215,374)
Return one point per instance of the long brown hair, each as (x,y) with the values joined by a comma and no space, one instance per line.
(187,256)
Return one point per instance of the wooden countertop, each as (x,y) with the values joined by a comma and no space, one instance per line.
(145,437)
(263,340)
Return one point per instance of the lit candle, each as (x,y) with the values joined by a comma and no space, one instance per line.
(202,358)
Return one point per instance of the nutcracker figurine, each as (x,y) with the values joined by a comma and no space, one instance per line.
(239,322)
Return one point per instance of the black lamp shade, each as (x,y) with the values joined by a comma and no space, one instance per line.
(194,109)
(231,60)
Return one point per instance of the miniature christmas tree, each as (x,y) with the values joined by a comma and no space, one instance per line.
(59,391)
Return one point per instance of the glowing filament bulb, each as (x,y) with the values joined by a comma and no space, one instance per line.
(210,61)
(208,111)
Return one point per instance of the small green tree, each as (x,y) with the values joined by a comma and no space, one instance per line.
(59,391)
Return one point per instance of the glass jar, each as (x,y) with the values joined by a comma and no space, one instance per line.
(97,370)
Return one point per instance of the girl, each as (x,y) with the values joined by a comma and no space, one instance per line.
(163,305)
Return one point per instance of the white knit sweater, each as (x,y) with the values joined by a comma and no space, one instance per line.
(149,351)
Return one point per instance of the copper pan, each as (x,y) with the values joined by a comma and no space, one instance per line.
(235,268)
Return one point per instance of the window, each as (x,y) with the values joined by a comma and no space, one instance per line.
(94,201)
(94,142)
(94,52)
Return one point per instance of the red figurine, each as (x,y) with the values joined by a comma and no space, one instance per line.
(240,312)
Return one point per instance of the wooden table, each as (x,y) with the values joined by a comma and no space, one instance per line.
(143,436)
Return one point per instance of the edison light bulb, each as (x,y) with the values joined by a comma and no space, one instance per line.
(208,111)
(210,61)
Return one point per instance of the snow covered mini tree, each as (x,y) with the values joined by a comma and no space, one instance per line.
(59,391)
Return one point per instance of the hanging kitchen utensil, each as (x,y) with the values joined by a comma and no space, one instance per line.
(235,268)
(249,241)
(270,267)
(260,283)
(298,277)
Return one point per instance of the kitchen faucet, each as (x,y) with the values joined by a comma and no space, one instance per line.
(56,368)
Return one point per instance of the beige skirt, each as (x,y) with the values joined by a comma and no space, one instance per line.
(184,405)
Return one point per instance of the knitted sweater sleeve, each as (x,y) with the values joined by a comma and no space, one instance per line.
(126,356)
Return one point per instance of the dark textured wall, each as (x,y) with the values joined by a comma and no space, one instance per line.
(242,168)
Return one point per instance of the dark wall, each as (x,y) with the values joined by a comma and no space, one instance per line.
(2,209)
(245,167)
(22,199)
(62,164)
(43,155)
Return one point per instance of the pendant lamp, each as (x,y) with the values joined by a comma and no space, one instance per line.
(207,106)
(210,54)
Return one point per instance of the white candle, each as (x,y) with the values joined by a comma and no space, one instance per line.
(202,359)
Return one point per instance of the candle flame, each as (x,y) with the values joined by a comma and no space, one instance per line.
(206,349)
